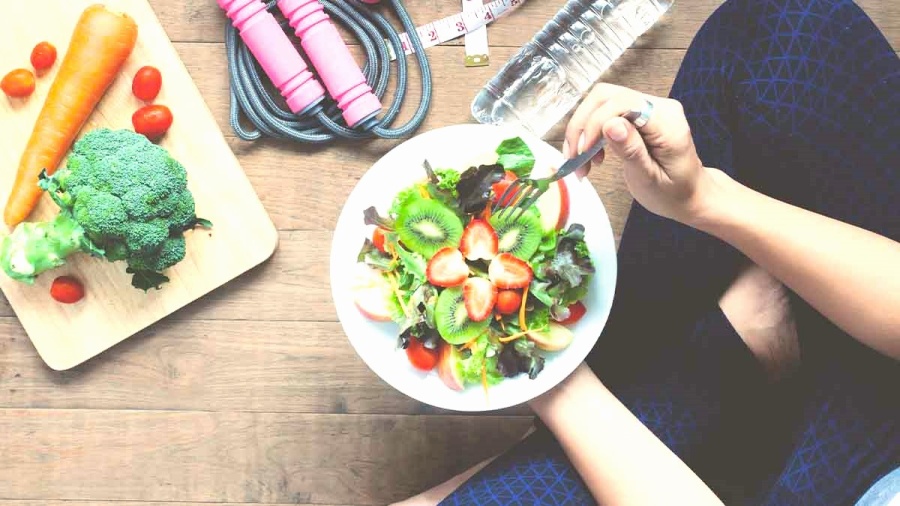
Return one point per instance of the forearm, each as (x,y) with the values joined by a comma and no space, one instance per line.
(619,459)
(850,275)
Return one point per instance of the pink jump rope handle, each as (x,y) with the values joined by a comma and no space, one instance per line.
(332,60)
(275,53)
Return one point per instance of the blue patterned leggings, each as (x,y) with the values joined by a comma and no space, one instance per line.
(798,99)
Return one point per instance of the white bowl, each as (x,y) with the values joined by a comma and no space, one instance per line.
(460,147)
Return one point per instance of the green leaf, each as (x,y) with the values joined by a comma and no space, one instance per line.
(414,263)
(145,280)
(447,180)
(470,368)
(515,156)
(371,217)
(202,223)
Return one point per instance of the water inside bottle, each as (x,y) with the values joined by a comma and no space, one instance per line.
(547,78)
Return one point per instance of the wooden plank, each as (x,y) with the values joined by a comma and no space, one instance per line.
(239,457)
(203,21)
(455,86)
(244,236)
(247,366)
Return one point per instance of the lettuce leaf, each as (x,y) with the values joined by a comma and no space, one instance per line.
(475,187)
(515,156)
(484,353)
(371,256)
(520,357)
(562,278)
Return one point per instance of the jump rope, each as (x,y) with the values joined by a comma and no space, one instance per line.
(256,42)
(256,37)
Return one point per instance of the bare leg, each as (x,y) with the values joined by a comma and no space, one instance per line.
(758,307)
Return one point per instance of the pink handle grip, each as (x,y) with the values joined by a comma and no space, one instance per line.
(334,64)
(275,53)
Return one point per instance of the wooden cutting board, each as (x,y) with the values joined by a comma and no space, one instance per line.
(243,234)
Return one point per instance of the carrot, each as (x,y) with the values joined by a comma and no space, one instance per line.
(100,44)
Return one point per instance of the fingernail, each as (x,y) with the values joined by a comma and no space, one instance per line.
(581,143)
(565,149)
(617,131)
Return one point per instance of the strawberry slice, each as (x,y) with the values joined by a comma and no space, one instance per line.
(447,268)
(479,241)
(506,271)
(479,296)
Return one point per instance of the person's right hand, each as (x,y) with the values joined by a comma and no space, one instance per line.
(662,169)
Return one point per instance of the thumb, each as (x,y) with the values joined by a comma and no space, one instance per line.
(625,141)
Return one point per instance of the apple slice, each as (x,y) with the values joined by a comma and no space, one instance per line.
(555,338)
(448,368)
(371,292)
(554,204)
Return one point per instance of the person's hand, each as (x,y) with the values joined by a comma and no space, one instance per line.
(662,169)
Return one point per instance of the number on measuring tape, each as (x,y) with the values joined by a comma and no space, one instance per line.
(455,26)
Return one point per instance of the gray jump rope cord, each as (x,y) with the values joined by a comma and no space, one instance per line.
(323,123)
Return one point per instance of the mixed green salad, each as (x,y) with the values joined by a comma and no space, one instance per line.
(479,297)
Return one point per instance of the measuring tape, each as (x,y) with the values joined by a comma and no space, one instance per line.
(452,27)
(476,41)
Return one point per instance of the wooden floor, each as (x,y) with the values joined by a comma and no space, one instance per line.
(253,394)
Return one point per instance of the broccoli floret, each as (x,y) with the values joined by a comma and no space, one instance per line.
(120,197)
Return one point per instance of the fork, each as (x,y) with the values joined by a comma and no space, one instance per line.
(524,192)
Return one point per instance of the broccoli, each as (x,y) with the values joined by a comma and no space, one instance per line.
(122,198)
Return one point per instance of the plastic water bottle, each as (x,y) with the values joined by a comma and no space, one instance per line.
(538,86)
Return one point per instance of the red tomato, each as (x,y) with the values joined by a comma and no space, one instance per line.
(508,301)
(67,290)
(43,56)
(500,186)
(378,239)
(146,84)
(18,83)
(421,357)
(576,311)
(152,121)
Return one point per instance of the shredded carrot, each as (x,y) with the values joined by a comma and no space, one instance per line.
(512,337)
(486,214)
(522,310)
(424,192)
(469,345)
(390,248)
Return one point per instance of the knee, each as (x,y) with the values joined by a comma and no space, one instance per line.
(756,18)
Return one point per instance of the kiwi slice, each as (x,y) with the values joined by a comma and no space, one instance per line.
(426,225)
(452,319)
(519,236)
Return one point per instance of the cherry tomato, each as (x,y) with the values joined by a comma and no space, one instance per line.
(378,239)
(43,56)
(508,301)
(500,186)
(146,84)
(576,311)
(152,121)
(421,357)
(18,83)
(67,290)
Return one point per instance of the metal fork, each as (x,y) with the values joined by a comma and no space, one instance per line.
(524,192)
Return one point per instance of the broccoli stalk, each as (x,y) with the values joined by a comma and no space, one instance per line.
(121,197)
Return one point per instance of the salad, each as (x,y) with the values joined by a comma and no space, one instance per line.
(476,296)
